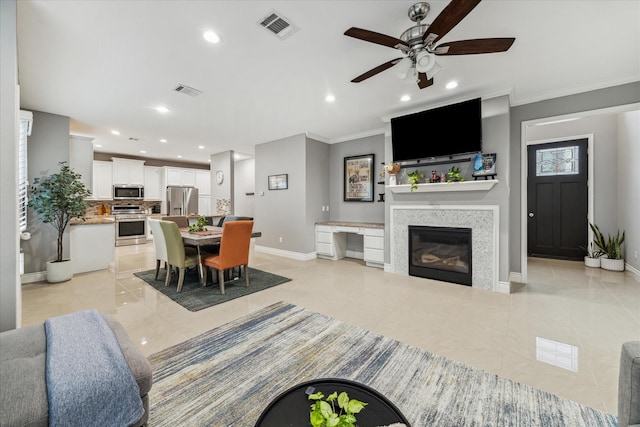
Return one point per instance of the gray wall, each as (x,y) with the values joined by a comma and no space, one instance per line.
(81,158)
(317,194)
(605,135)
(244,179)
(10,296)
(629,184)
(586,101)
(355,211)
(495,139)
(46,147)
(225,191)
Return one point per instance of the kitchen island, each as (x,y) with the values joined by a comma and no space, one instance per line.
(92,243)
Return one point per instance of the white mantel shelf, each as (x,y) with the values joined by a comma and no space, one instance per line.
(484,185)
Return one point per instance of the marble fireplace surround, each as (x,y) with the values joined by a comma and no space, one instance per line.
(483,221)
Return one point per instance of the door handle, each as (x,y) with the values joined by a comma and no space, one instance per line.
(531,215)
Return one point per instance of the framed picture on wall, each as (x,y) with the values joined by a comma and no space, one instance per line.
(279,182)
(358,178)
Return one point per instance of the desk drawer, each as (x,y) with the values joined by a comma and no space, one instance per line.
(374,232)
(324,248)
(322,237)
(324,228)
(373,242)
(374,255)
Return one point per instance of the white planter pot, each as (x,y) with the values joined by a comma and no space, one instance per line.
(59,271)
(612,264)
(592,262)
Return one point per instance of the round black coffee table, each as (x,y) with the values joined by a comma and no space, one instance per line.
(292,407)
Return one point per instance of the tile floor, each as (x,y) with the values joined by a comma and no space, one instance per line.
(561,332)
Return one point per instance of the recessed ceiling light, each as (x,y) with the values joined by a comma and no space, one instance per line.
(163,140)
(98,145)
(209,160)
(115,132)
(452,85)
(179,156)
(405,98)
(211,37)
(143,151)
(201,147)
(162,109)
(330,98)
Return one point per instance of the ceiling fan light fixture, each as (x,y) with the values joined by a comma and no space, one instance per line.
(412,75)
(402,67)
(424,61)
(434,70)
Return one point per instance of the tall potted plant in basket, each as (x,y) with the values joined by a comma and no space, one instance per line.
(611,247)
(57,199)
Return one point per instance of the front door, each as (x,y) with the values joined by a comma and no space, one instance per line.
(557,199)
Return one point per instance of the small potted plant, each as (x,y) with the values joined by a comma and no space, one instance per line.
(57,199)
(414,179)
(611,247)
(323,411)
(200,225)
(592,256)
(454,175)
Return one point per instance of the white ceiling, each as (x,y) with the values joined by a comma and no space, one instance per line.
(105,64)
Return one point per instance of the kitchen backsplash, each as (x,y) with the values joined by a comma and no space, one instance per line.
(92,209)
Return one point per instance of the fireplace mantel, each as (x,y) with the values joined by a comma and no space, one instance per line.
(484,185)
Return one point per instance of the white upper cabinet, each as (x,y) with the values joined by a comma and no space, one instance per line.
(128,171)
(152,183)
(102,180)
(203,182)
(180,176)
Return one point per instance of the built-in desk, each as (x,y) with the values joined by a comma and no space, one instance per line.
(331,240)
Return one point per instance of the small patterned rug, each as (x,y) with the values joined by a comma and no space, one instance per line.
(194,297)
(228,375)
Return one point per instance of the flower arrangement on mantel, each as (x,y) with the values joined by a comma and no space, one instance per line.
(390,169)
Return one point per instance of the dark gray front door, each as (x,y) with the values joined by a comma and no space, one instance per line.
(557,199)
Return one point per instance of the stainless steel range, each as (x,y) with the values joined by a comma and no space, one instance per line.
(131,224)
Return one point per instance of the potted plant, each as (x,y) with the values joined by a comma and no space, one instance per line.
(592,256)
(414,179)
(390,169)
(57,199)
(454,175)
(611,248)
(323,411)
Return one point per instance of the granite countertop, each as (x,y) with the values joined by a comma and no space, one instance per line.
(98,219)
(352,224)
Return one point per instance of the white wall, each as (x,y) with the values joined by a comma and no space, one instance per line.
(244,182)
(629,184)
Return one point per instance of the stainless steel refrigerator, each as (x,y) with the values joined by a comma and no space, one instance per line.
(182,200)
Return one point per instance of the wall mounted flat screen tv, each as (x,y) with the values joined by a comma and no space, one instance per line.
(445,131)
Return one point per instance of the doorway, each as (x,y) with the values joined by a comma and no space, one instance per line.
(557,199)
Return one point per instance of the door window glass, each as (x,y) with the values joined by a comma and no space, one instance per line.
(557,161)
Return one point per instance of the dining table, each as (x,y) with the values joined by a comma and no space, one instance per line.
(209,236)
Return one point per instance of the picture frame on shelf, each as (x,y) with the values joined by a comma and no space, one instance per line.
(488,166)
(358,178)
(279,182)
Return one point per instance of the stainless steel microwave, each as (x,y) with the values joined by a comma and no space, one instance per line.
(128,192)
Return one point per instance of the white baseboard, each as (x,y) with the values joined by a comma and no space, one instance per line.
(38,276)
(515,277)
(286,254)
(634,271)
(504,287)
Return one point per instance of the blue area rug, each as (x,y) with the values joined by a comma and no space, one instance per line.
(228,376)
(194,297)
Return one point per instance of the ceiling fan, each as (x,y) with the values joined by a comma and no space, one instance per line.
(418,43)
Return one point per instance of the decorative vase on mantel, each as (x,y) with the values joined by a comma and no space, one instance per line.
(392,179)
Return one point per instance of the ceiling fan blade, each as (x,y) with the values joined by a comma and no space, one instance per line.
(372,72)
(448,18)
(469,47)
(423,81)
(373,37)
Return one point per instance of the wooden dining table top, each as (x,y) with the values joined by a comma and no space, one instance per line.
(210,235)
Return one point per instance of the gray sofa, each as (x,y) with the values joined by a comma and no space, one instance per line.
(23,395)
(629,385)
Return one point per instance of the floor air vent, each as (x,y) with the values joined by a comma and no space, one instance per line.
(187,90)
(278,25)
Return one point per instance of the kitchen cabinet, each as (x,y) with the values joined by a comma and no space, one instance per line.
(204,204)
(102,180)
(152,183)
(180,176)
(203,182)
(373,243)
(128,171)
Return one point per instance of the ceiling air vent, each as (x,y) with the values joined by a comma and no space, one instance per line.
(278,25)
(187,90)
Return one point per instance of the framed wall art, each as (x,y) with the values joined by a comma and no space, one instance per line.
(358,178)
(279,182)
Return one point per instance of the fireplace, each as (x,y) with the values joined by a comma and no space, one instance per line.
(440,253)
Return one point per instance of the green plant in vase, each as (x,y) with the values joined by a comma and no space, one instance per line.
(414,179)
(199,225)
(454,175)
(323,412)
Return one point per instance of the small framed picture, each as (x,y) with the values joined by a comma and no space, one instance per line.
(488,167)
(358,178)
(279,182)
